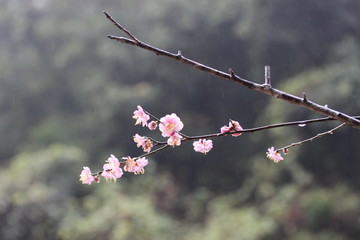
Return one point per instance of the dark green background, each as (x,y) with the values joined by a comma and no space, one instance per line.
(67,94)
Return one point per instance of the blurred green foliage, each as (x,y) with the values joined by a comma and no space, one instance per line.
(67,94)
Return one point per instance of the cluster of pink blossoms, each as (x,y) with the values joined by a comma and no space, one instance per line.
(112,170)
(170,127)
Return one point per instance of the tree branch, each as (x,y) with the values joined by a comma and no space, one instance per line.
(331,131)
(301,123)
(231,76)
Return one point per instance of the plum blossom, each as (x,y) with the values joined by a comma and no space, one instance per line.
(86,176)
(143,142)
(112,170)
(233,126)
(274,155)
(139,140)
(203,146)
(152,125)
(174,139)
(141,116)
(170,124)
(135,166)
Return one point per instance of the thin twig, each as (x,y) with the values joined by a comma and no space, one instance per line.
(301,123)
(120,27)
(154,117)
(267,76)
(285,149)
(250,130)
(152,152)
(304,97)
(234,78)
(278,125)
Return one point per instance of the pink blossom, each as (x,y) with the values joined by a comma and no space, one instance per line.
(233,126)
(141,116)
(225,129)
(139,140)
(86,176)
(174,139)
(274,155)
(135,166)
(112,170)
(152,125)
(203,146)
(141,163)
(148,145)
(170,124)
(143,142)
